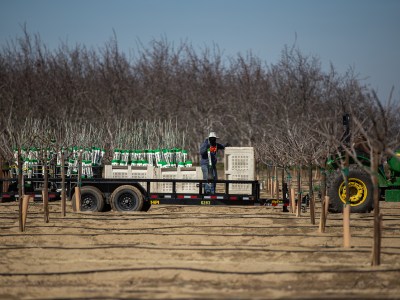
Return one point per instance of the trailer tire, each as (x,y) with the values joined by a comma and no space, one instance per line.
(361,199)
(126,198)
(92,199)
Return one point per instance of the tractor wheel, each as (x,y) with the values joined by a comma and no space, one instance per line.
(360,186)
(91,199)
(126,198)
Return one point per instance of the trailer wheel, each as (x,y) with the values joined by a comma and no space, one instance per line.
(126,198)
(360,187)
(91,199)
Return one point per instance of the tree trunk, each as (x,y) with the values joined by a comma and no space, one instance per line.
(323,183)
(268,181)
(299,193)
(20,189)
(45,191)
(63,191)
(276,184)
(376,251)
(346,207)
(310,188)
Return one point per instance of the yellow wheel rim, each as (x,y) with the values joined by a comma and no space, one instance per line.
(358,191)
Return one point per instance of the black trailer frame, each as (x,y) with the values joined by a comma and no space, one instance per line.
(107,186)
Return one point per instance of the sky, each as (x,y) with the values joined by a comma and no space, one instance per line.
(359,34)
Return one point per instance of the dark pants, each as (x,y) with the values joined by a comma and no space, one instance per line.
(209,188)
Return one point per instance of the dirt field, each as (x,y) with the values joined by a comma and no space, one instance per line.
(194,252)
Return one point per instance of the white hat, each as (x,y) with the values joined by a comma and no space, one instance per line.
(213,135)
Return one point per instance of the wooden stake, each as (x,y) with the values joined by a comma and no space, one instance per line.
(25,203)
(322,221)
(292,201)
(326,207)
(376,253)
(346,225)
(78,198)
(346,206)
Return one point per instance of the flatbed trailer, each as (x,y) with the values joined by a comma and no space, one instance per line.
(139,195)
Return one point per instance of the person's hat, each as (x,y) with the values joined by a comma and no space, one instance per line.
(213,135)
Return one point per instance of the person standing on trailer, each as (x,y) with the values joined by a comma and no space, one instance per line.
(208,161)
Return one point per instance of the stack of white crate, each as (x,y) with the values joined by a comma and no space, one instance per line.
(179,173)
(116,172)
(189,173)
(239,165)
(145,172)
(131,172)
(166,173)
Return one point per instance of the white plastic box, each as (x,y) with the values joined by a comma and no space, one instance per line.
(131,172)
(239,164)
(179,173)
(189,173)
(166,173)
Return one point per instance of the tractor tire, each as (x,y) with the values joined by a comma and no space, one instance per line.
(360,185)
(91,199)
(126,198)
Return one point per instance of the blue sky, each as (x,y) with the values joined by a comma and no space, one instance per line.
(363,34)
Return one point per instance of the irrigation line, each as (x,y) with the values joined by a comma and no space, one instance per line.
(142,217)
(174,227)
(319,250)
(199,270)
(133,230)
(189,234)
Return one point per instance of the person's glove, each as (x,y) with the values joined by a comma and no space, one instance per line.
(213,149)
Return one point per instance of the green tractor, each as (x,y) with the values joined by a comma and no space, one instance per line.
(360,184)
(359,181)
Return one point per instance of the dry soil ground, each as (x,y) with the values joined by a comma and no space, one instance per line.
(220,252)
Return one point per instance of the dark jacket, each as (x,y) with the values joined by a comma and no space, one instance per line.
(204,153)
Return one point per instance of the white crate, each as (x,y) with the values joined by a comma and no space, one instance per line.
(239,164)
(166,173)
(146,172)
(116,172)
(131,172)
(189,173)
(179,173)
